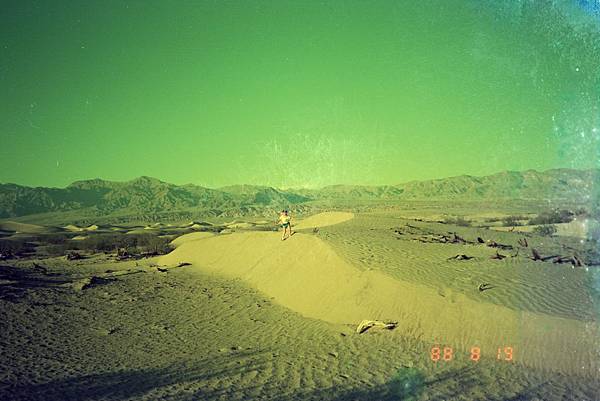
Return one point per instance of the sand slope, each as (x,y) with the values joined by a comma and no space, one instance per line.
(584,228)
(12,226)
(305,274)
(185,335)
(323,220)
(191,237)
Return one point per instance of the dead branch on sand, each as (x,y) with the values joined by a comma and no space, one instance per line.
(485,286)
(367,324)
(498,256)
(573,260)
(460,256)
(494,244)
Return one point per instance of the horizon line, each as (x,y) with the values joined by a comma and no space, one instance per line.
(306,187)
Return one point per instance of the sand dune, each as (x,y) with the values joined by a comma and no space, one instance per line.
(585,228)
(323,219)
(241,225)
(255,317)
(191,237)
(73,228)
(305,274)
(140,231)
(12,226)
(91,227)
(197,223)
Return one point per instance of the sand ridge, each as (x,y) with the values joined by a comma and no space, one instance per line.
(305,274)
(323,219)
(188,335)
(191,237)
(17,227)
(140,329)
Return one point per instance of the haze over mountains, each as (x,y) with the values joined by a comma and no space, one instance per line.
(146,195)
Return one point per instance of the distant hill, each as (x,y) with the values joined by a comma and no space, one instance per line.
(557,184)
(150,197)
(261,195)
(141,196)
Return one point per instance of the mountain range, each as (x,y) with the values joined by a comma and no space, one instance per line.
(151,197)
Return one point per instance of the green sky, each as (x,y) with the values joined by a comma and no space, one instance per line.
(301,93)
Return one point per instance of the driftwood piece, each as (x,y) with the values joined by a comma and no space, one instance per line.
(460,256)
(574,260)
(494,244)
(73,256)
(457,238)
(535,255)
(443,239)
(498,256)
(367,324)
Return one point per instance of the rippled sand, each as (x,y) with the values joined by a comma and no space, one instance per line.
(253,317)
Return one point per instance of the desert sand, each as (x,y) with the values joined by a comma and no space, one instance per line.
(323,220)
(16,227)
(306,275)
(241,314)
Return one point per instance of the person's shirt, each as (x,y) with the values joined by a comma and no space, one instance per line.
(284,218)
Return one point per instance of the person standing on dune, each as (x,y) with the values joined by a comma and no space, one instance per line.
(285,222)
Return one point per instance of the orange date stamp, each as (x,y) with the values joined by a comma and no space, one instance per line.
(446,354)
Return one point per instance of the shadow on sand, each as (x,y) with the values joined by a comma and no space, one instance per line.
(15,282)
(170,382)
(207,379)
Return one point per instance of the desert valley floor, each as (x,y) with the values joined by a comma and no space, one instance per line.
(237,314)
